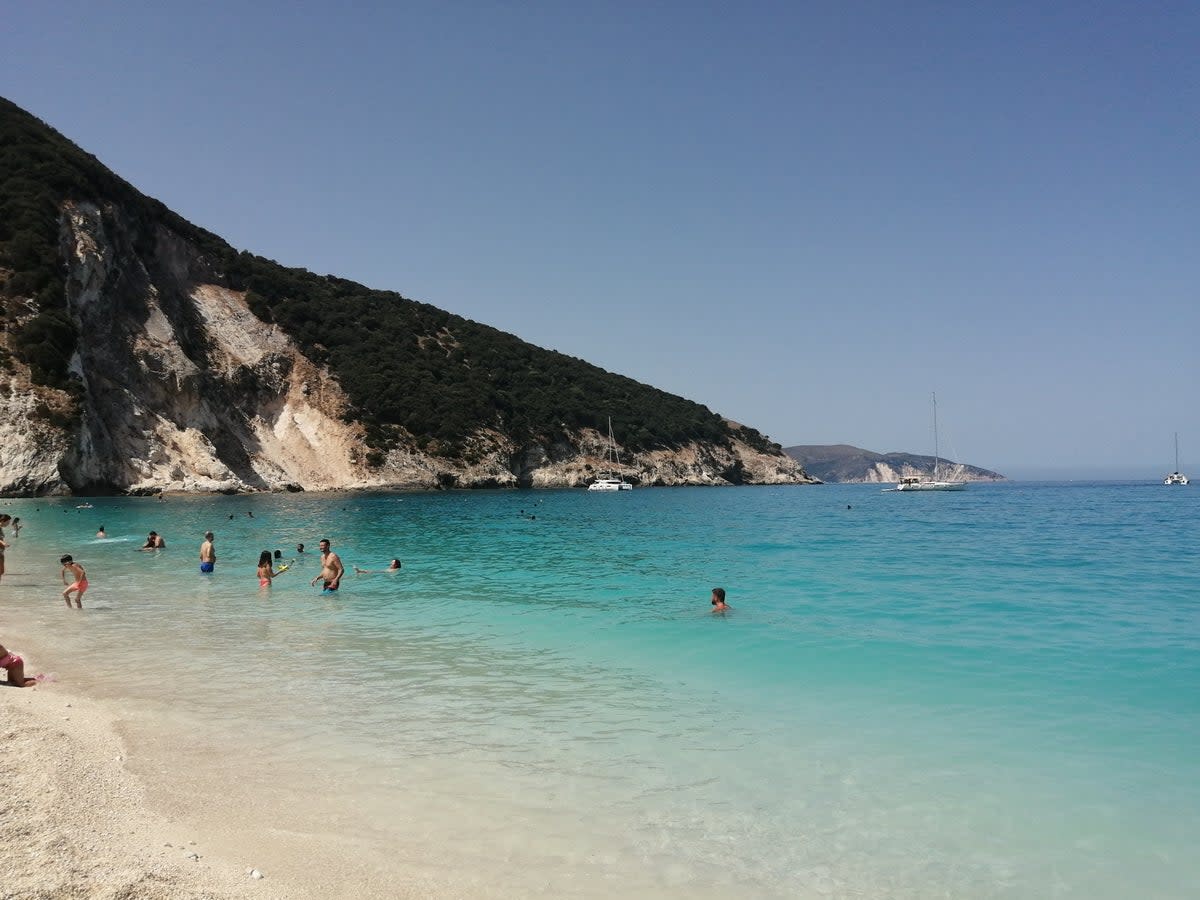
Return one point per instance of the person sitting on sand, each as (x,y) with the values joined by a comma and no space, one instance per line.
(15,666)
(718,601)
(393,567)
(154,541)
(79,585)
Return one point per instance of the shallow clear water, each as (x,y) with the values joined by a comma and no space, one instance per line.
(993,693)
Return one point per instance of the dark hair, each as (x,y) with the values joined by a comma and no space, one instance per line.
(279,554)
(323,541)
(299,548)
(398,563)
(208,535)
(719,593)
(153,534)
(66,559)
(264,558)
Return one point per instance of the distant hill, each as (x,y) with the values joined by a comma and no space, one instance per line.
(139,352)
(843,463)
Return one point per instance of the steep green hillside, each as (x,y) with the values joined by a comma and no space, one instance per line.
(406,366)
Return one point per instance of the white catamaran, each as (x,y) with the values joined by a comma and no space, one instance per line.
(610,480)
(914,483)
(1176,477)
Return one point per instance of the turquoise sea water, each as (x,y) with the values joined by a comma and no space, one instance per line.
(993,693)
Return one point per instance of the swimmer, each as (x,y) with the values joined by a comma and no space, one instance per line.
(15,666)
(718,601)
(299,548)
(154,541)
(332,569)
(100,533)
(17,527)
(79,585)
(394,566)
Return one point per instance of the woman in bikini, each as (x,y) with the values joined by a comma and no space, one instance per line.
(265,572)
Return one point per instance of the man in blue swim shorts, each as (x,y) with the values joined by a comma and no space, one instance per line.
(332,569)
(208,556)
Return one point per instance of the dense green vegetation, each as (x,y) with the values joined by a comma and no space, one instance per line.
(405,365)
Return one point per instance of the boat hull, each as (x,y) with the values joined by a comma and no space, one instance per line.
(932,486)
(610,484)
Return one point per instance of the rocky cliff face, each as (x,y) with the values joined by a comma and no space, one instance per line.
(183,388)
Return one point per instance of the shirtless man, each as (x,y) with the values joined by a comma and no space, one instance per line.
(208,556)
(154,541)
(718,601)
(332,569)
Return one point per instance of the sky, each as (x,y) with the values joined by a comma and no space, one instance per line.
(809,217)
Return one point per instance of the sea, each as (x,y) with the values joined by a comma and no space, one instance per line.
(992,693)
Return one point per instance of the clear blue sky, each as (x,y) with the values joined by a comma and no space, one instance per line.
(808,216)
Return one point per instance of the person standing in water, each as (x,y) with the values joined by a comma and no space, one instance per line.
(718,601)
(266,570)
(332,569)
(79,585)
(208,555)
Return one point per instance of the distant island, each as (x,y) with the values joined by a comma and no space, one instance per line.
(842,463)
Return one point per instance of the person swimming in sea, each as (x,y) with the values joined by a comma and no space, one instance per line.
(394,566)
(718,601)
(154,541)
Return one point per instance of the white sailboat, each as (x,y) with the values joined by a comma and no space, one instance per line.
(914,483)
(611,481)
(1176,477)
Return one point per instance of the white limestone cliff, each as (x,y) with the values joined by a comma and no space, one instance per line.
(183,388)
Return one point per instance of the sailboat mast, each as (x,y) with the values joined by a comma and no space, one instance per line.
(935,438)
(1177,451)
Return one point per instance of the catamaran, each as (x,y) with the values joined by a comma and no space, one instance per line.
(1176,477)
(916,483)
(611,481)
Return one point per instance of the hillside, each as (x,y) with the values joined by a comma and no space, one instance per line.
(140,352)
(844,463)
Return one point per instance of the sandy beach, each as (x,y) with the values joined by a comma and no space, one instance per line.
(76,822)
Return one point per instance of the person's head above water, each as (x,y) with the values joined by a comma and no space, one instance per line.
(718,597)
(395,564)
(299,548)
(279,554)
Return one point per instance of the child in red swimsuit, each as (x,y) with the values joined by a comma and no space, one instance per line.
(80,585)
